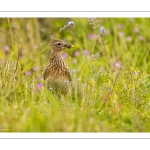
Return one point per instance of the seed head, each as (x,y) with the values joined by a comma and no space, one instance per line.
(122,67)
(70,23)
(51,89)
(102,30)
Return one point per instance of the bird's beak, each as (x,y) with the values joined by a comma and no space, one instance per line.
(69,45)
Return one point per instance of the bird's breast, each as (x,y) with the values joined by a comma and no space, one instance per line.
(58,84)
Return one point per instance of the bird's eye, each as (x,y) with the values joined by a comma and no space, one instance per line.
(58,44)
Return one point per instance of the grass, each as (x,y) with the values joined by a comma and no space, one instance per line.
(113,71)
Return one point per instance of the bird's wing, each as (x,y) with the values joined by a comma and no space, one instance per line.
(45,73)
(68,75)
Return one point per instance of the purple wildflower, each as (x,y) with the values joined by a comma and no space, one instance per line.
(65,55)
(41,77)
(136,30)
(91,36)
(86,52)
(117,64)
(129,38)
(84,85)
(40,85)
(6,49)
(102,68)
(141,38)
(74,61)
(76,53)
(120,26)
(121,33)
(28,73)
(34,69)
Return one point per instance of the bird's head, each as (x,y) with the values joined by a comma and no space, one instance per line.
(60,45)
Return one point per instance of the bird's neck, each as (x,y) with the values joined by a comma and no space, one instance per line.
(55,56)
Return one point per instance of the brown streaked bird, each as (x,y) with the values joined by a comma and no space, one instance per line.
(57,73)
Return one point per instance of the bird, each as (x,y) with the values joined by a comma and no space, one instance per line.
(57,73)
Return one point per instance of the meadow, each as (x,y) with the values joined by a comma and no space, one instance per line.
(110,59)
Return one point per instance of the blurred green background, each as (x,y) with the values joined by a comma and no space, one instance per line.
(112,67)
